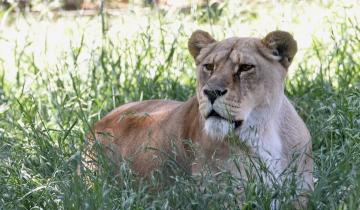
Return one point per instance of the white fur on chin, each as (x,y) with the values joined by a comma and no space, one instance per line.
(217,129)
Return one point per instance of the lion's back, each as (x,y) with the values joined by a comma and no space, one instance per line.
(132,110)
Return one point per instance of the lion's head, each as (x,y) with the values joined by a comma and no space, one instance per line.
(238,77)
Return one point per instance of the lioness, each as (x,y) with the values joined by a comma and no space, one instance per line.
(240,90)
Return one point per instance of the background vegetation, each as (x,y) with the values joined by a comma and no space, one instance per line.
(59,73)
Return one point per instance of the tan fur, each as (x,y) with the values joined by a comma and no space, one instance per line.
(253,98)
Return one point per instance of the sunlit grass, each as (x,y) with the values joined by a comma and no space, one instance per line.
(60,75)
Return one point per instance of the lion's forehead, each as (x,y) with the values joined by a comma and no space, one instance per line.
(235,56)
(236,50)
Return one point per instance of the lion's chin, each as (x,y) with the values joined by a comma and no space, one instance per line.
(218,128)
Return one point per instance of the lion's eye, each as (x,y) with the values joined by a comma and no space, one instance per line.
(209,67)
(245,67)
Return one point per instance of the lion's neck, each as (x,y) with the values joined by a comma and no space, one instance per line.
(264,117)
(261,132)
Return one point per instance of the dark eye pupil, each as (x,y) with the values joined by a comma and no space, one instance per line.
(245,67)
(209,66)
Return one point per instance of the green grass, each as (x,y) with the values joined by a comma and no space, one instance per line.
(52,89)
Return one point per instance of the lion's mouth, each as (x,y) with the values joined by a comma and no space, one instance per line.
(213,113)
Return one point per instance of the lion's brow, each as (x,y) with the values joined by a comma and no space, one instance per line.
(231,50)
(227,56)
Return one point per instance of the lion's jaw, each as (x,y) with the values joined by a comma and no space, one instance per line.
(220,120)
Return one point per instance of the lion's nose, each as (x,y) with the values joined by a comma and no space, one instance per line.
(213,94)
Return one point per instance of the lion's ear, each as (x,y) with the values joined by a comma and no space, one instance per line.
(198,40)
(283,45)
